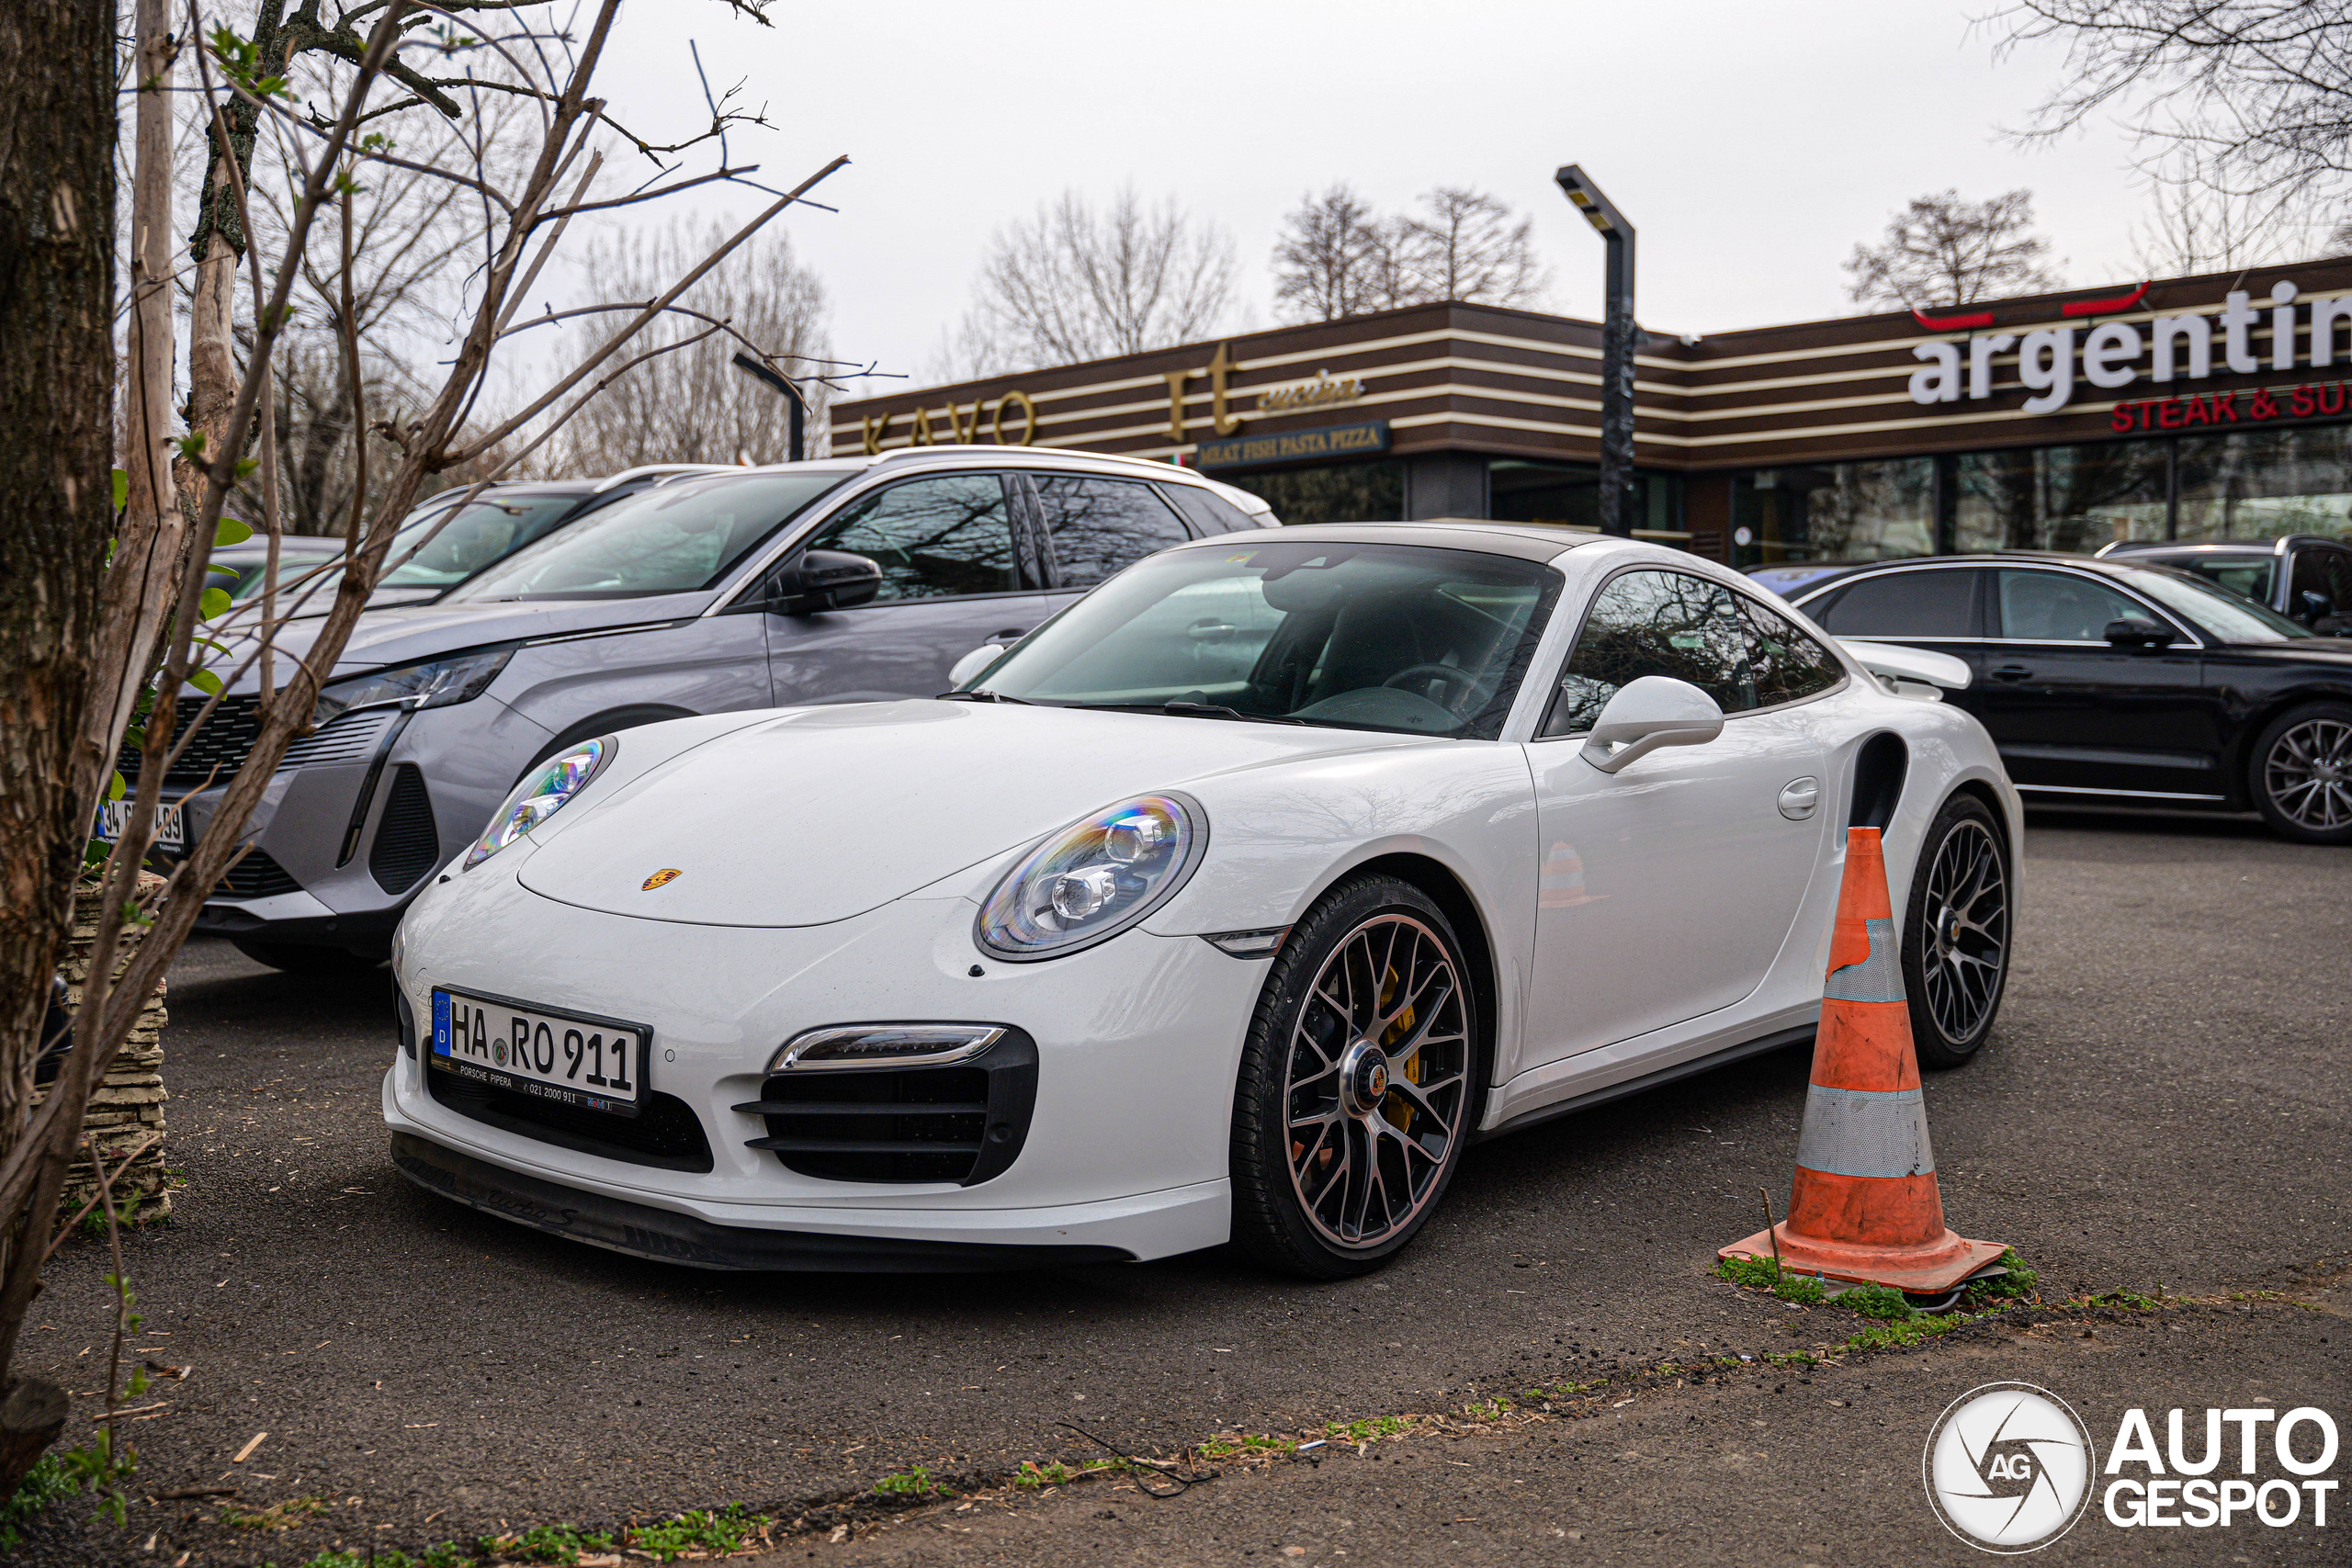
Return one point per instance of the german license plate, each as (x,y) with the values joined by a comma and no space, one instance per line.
(597,1064)
(114,816)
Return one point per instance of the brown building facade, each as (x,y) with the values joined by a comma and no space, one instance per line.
(2190,408)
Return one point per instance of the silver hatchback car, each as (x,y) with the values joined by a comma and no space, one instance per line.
(826,582)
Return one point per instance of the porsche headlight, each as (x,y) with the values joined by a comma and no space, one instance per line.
(1094,879)
(542,794)
(436,683)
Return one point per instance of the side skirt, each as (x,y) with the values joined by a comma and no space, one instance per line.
(1780,1040)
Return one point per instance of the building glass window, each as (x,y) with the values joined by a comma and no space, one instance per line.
(1343,493)
(2060,498)
(2261,484)
(1522,489)
(1836,512)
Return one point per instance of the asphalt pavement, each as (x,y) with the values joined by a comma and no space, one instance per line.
(2163,1102)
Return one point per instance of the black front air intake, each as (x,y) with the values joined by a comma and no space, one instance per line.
(963,1123)
(406,845)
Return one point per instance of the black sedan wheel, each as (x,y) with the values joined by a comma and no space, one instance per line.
(1357,1083)
(2303,773)
(1956,935)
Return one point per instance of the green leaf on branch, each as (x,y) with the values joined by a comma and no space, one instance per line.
(229,531)
(213,606)
(191,445)
(246,466)
(115,788)
(204,680)
(121,489)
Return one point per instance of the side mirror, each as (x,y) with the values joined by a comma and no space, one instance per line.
(1645,715)
(2136,631)
(825,579)
(968,669)
(2313,607)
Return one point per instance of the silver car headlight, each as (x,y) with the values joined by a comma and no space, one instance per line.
(542,794)
(1094,878)
(436,683)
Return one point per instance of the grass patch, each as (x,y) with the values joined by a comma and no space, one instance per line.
(559,1545)
(1369,1431)
(1765,1274)
(276,1517)
(913,1483)
(1881,1301)
(43,1484)
(717,1533)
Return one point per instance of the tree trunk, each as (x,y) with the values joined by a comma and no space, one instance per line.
(32,1416)
(212,362)
(57,136)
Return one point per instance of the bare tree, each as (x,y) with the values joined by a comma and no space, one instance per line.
(1943,251)
(1338,257)
(2256,94)
(697,406)
(1463,245)
(1071,282)
(2194,226)
(73,633)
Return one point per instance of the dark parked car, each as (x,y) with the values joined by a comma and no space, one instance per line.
(1789,578)
(2305,577)
(2126,684)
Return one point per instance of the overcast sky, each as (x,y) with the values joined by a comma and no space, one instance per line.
(1751,144)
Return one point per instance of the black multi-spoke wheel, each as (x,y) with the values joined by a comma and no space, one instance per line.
(2303,773)
(1956,933)
(1357,1083)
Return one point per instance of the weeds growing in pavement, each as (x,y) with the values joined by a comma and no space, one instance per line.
(446,1555)
(43,1484)
(720,1533)
(1881,1301)
(2017,1284)
(914,1483)
(559,1545)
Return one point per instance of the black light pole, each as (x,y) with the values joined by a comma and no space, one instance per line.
(795,446)
(1620,502)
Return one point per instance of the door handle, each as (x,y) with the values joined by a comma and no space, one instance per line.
(1798,798)
(1009,634)
(2013,672)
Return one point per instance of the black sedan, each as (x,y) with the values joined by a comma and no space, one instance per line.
(2124,683)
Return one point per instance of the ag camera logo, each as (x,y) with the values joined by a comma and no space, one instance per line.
(2009,1467)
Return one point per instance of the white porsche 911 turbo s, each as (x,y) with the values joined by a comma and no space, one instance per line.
(1233,903)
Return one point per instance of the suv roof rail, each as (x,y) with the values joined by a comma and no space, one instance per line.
(609,480)
(952,449)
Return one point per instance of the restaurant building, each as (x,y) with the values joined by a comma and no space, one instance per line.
(2194,408)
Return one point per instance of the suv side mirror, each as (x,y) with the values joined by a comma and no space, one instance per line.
(1655,711)
(825,579)
(2311,608)
(2136,631)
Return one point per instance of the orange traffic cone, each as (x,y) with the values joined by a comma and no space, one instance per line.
(1865,1206)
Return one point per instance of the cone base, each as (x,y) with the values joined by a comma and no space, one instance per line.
(1929,1269)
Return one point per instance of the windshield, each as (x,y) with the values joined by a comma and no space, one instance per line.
(674,539)
(1396,638)
(2218,612)
(241,575)
(490,529)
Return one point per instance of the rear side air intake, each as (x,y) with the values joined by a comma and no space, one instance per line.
(1879,770)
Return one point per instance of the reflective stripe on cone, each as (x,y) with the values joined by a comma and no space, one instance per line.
(1865,1206)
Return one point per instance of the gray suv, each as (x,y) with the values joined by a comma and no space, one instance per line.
(827,582)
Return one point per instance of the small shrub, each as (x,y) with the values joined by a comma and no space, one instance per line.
(43,1484)
(1881,1301)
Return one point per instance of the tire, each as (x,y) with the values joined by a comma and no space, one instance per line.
(1296,1209)
(1956,933)
(300,958)
(2300,774)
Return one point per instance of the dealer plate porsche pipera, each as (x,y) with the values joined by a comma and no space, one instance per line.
(596,1064)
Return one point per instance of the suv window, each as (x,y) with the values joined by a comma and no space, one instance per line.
(1207,511)
(2310,575)
(1101,525)
(1787,664)
(2058,606)
(1655,623)
(1926,602)
(935,538)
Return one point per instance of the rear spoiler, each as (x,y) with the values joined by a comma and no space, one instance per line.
(1894,661)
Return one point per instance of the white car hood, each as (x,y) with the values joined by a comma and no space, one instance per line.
(824,813)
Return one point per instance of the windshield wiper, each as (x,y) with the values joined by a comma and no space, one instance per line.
(1190,710)
(984,696)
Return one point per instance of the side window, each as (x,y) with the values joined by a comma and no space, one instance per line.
(1206,511)
(2058,606)
(1099,525)
(1787,664)
(1653,623)
(2310,576)
(1933,602)
(2339,580)
(938,538)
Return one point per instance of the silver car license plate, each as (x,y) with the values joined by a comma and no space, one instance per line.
(114,816)
(597,1064)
